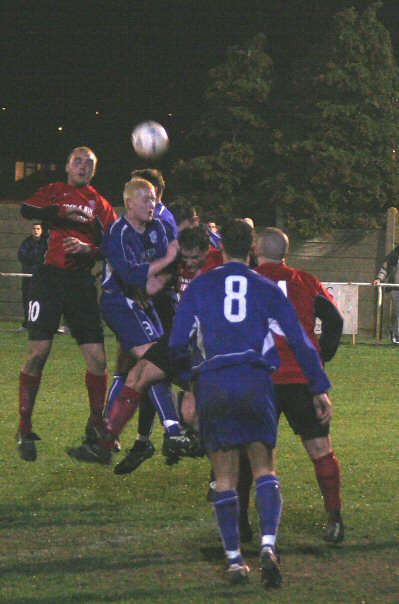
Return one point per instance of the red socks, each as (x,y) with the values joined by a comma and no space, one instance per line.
(97,390)
(28,389)
(328,476)
(122,410)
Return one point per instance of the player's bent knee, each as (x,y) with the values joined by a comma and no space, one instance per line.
(261,459)
(94,355)
(38,353)
(317,447)
(124,361)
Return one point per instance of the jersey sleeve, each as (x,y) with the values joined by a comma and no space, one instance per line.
(40,206)
(166,217)
(332,325)
(170,231)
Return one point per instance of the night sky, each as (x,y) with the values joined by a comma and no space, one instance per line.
(95,68)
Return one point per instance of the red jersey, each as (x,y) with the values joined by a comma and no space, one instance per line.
(85,199)
(184,278)
(302,289)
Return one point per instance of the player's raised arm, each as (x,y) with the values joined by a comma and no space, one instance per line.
(157,266)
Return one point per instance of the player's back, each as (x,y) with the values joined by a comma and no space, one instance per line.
(232,305)
(230,310)
(302,289)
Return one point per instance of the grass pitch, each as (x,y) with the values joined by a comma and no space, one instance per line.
(75,533)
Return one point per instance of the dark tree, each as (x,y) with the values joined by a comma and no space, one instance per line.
(233,135)
(339,130)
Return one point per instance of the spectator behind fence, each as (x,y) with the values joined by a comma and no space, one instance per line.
(389,273)
(31,255)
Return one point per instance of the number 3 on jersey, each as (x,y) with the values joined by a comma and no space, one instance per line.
(235,301)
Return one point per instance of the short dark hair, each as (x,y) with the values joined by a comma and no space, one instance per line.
(189,239)
(182,210)
(153,176)
(237,238)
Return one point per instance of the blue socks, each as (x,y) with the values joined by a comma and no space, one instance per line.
(162,398)
(113,392)
(269,506)
(227,509)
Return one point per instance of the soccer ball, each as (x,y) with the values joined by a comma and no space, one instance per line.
(149,139)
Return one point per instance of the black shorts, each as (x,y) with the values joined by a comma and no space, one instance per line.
(56,292)
(158,355)
(296,402)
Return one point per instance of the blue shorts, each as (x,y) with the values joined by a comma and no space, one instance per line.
(236,406)
(132,324)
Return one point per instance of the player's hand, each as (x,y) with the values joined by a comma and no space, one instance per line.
(323,407)
(156,282)
(72,245)
(74,214)
(376,281)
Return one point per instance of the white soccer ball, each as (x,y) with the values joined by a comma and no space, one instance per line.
(149,139)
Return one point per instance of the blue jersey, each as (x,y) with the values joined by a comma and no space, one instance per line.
(166,217)
(230,310)
(128,254)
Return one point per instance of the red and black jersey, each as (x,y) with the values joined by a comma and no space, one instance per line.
(50,203)
(184,277)
(307,295)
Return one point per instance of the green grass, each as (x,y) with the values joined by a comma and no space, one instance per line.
(79,533)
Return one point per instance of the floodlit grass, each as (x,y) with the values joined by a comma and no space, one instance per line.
(79,533)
